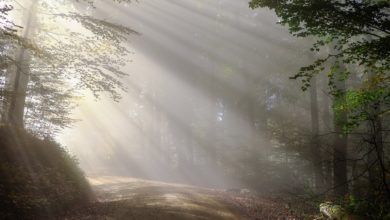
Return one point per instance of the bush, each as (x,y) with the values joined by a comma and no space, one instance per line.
(38,178)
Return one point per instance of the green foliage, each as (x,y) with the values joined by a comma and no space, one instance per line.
(359,103)
(347,22)
(84,53)
(372,207)
(354,33)
(38,178)
(352,39)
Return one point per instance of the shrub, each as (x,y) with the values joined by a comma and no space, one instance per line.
(38,178)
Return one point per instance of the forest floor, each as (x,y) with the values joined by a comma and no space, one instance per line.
(129,198)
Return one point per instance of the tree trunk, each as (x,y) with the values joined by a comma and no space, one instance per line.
(21,75)
(327,128)
(340,180)
(375,152)
(315,145)
(375,163)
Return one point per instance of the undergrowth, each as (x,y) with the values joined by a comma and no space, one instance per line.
(38,178)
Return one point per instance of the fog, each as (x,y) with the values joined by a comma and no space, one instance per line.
(207,94)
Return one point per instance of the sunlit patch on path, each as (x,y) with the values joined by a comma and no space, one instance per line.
(138,199)
(129,198)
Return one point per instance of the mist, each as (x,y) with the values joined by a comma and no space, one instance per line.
(182,109)
(206,79)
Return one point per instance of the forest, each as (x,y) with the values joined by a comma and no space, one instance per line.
(184,110)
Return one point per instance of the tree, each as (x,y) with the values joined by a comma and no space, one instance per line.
(340,179)
(20,76)
(358,35)
(62,60)
(315,128)
(348,23)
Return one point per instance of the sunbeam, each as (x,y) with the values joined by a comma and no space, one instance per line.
(182,109)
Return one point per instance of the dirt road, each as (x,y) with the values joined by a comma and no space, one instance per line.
(135,199)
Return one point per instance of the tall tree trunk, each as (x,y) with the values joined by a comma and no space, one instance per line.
(182,160)
(315,144)
(340,179)
(327,127)
(355,176)
(21,75)
(375,157)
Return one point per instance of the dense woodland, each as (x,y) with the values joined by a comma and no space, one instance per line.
(285,99)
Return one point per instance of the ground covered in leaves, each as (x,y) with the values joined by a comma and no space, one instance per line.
(128,198)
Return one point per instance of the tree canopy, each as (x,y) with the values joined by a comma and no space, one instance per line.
(82,53)
(351,33)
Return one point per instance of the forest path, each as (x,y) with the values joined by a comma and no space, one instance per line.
(129,198)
